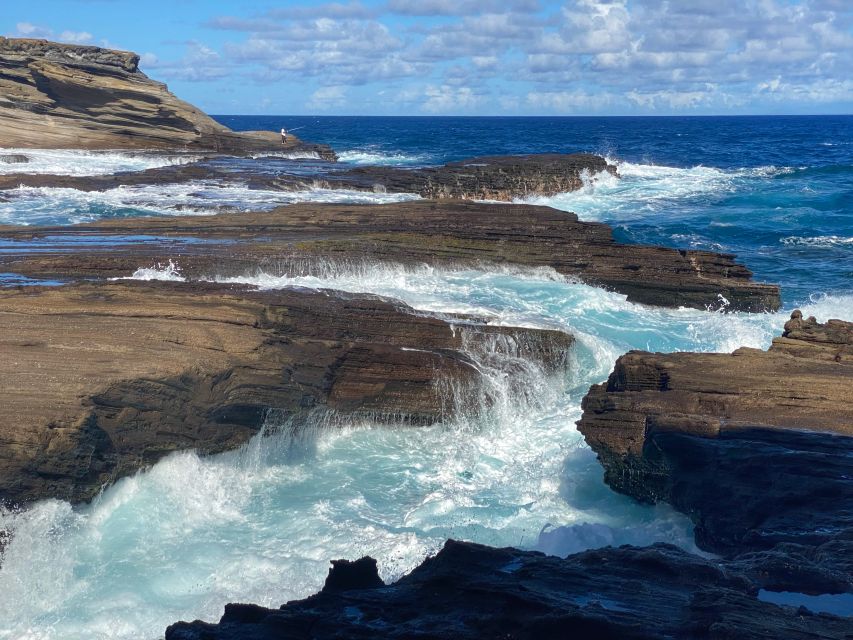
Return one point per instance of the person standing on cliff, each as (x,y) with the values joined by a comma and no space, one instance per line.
(283,135)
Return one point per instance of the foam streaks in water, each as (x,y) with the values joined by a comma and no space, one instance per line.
(49,205)
(74,162)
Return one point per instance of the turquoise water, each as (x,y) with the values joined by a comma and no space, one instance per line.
(261,524)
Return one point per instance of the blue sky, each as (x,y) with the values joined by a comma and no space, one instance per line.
(474,57)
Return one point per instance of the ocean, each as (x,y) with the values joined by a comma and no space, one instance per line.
(259,525)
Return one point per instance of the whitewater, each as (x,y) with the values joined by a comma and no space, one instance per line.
(260,524)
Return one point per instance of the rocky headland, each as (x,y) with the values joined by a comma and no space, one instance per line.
(101,380)
(60,96)
(303,237)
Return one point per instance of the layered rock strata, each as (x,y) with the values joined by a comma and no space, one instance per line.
(469,592)
(100,380)
(450,233)
(63,96)
(503,178)
(756,446)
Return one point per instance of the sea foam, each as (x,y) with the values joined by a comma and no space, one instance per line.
(72,162)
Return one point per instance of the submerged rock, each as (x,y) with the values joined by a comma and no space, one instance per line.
(63,96)
(14,158)
(102,380)
(468,591)
(446,233)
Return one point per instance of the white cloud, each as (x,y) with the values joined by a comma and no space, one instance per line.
(449,99)
(29,30)
(326,98)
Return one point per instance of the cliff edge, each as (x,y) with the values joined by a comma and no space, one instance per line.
(63,96)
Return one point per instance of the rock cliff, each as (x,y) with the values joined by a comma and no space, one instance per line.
(756,446)
(79,97)
(100,380)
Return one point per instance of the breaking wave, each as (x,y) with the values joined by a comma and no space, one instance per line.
(645,190)
(372,157)
(818,241)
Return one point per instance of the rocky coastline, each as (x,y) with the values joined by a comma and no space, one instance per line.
(138,370)
(770,492)
(105,375)
(61,96)
(444,233)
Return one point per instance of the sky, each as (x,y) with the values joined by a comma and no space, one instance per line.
(473,57)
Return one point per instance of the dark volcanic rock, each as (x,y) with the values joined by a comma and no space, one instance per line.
(449,233)
(69,96)
(101,380)
(756,446)
(502,178)
(469,591)
(489,178)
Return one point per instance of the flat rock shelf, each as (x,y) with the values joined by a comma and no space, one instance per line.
(447,232)
(101,380)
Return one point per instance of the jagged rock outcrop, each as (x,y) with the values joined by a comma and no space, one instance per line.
(100,380)
(450,233)
(469,591)
(80,97)
(756,446)
(488,178)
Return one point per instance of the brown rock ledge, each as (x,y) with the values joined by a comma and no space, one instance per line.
(100,380)
(62,96)
(756,446)
(300,237)
(503,178)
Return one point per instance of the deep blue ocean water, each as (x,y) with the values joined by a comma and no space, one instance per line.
(180,540)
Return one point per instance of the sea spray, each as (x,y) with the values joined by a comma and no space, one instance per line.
(260,524)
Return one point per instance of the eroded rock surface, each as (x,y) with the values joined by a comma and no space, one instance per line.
(489,178)
(100,380)
(63,96)
(468,591)
(447,233)
(756,446)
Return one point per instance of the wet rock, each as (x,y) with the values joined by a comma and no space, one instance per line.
(14,158)
(503,178)
(469,591)
(446,233)
(489,178)
(347,575)
(100,380)
(64,96)
(756,446)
